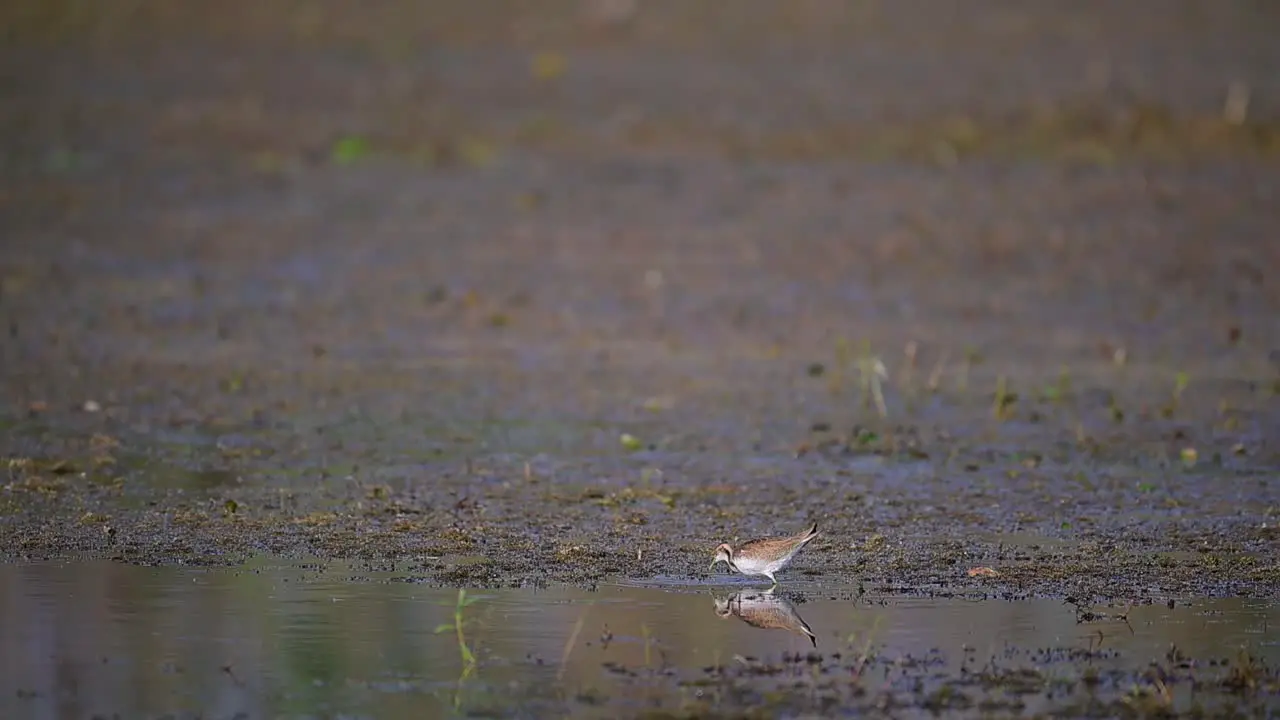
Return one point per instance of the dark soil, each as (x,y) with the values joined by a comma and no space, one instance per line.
(394,283)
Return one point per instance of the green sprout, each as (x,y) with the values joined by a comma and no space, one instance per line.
(1004,399)
(1180,385)
(1061,389)
(971,358)
(464,650)
(349,149)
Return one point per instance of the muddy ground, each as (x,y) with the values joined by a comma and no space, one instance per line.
(521,293)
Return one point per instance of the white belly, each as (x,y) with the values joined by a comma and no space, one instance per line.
(756,566)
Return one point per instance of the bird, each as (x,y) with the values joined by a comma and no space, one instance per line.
(765,611)
(765,556)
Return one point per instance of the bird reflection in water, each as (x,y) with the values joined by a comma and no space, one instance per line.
(764,610)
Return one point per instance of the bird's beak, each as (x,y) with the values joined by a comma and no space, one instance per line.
(713,565)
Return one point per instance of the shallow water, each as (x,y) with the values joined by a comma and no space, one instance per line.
(298,640)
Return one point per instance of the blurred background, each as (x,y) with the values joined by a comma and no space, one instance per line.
(230,178)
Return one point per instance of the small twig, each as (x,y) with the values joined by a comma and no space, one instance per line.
(865,656)
(1235,110)
(935,377)
(648,656)
(568,646)
(909,364)
(873,373)
(232,674)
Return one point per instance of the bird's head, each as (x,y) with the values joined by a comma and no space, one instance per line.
(724,554)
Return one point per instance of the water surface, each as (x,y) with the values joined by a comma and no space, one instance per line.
(299,640)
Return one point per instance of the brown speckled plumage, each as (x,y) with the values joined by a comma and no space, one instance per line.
(764,556)
(765,611)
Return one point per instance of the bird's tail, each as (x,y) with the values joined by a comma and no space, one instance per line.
(811,533)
